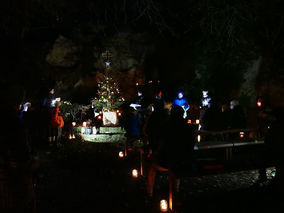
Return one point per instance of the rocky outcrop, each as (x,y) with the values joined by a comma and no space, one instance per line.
(63,53)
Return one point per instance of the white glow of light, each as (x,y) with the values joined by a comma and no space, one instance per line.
(198,138)
(134,173)
(84,123)
(197,121)
(73,123)
(120,154)
(164,206)
(107,63)
(119,114)
(199,127)
(242,134)
(94,130)
(204,94)
(53,102)
(180,95)
(83,130)
(73,136)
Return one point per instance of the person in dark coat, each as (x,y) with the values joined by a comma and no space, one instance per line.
(237,116)
(156,124)
(175,149)
(132,126)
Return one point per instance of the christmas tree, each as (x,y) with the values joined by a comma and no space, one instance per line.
(108,95)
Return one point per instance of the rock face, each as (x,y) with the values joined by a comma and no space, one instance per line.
(125,51)
(63,53)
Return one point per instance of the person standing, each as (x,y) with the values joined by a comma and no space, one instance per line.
(182,102)
(57,124)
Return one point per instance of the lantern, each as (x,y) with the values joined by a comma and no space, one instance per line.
(135,173)
(258,103)
(242,134)
(120,154)
(163,206)
(197,121)
(198,138)
(189,121)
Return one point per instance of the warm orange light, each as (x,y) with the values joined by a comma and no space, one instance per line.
(135,173)
(259,103)
(119,114)
(99,117)
(197,121)
(189,121)
(164,206)
(120,154)
(137,84)
(117,111)
(73,123)
(242,134)
(70,137)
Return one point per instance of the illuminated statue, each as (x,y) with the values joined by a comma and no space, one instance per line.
(181,101)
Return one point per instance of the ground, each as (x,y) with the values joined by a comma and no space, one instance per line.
(90,177)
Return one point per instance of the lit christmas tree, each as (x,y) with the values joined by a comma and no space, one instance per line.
(108,96)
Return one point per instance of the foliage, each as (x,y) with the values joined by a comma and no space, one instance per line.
(76,111)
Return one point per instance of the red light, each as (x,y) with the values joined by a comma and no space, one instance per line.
(259,103)
(189,121)
(149,155)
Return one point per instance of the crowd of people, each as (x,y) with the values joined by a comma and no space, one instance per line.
(170,139)
(160,124)
(23,126)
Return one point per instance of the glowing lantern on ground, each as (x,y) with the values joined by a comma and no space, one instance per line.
(135,173)
(242,134)
(164,206)
(120,154)
(198,138)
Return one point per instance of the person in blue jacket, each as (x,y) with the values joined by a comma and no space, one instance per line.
(182,102)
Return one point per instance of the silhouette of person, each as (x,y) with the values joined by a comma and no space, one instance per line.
(175,149)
